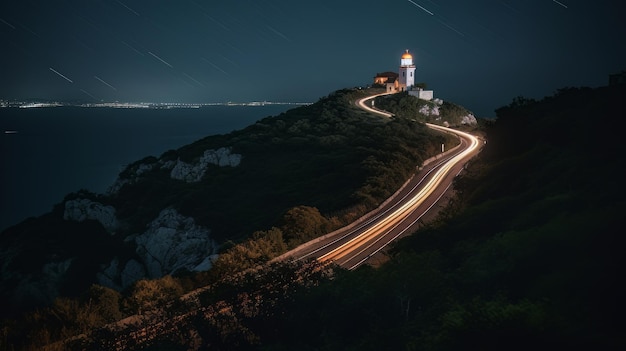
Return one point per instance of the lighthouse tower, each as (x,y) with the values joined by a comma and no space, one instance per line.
(406,75)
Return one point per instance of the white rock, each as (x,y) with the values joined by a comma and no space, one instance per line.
(429,110)
(206,264)
(187,172)
(194,172)
(172,243)
(469,119)
(83,209)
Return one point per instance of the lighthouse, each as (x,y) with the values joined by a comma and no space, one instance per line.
(406,75)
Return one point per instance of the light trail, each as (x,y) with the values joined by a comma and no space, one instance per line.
(278,33)
(160,59)
(451,28)
(560,3)
(399,234)
(105,83)
(361,104)
(193,79)
(353,245)
(60,75)
(7,23)
(215,66)
(394,219)
(132,48)
(374,218)
(421,7)
(128,8)
(86,93)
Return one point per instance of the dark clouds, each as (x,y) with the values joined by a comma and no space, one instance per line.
(479,53)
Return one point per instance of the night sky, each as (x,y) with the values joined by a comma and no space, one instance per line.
(479,53)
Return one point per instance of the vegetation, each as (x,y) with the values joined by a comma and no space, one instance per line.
(329,155)
(436,111)
(304,173)
(527,256)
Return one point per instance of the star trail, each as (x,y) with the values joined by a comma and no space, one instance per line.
(479,54)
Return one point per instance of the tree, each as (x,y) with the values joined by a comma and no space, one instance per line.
(303,223)
(106,302)
(150,294)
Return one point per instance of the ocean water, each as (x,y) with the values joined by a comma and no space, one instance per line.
(59,150)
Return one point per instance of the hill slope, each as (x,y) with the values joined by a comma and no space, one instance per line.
(174,213)
(527,257)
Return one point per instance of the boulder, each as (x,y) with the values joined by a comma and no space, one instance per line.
(173,243)
(83,209)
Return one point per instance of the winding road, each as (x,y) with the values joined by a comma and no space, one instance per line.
(400,215)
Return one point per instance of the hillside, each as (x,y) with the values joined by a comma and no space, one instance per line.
(436,111)
(280,181)
(526,257)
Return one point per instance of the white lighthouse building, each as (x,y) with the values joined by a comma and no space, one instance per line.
(404,80)
(406,76)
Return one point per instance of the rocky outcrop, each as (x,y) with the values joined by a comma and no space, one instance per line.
(172,243)
(194,172)
(118,278)
(83,209)
(469,119)
(180,170)
(429,110)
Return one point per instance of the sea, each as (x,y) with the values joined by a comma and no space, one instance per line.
(46,153)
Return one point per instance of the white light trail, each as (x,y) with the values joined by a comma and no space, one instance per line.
(132,48)
(217,22)
(86,93)
(105,83)
(560,3)
(60,75)
(416,4)
(7,23)
(278,33)
(128,8)
(452,28)
(194,80)
(393,220)
(160,59)
(229,60)
(215,66)
(30,30)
